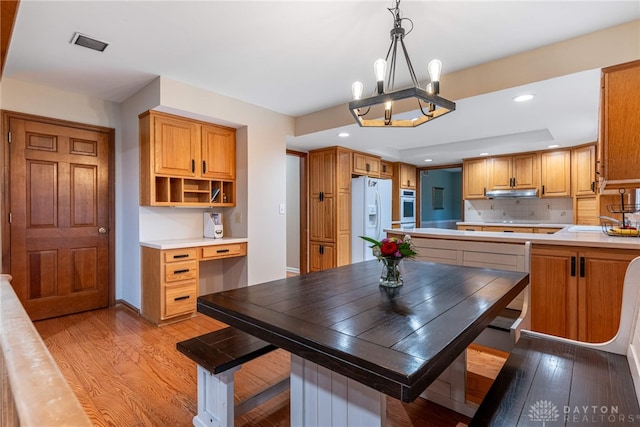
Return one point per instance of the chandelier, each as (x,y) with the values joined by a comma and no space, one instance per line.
(379,106)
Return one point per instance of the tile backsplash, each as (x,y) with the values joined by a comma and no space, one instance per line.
(534,210)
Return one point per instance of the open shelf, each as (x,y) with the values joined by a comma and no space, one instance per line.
(173,191)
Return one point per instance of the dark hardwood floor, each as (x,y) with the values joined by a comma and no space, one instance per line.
(127,372)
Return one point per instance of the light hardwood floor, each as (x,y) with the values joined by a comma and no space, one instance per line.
(127,372)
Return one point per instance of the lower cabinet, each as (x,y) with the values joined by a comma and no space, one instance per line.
(170,279)
(576,292)
(322,256)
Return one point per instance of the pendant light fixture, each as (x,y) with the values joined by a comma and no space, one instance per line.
(377,110)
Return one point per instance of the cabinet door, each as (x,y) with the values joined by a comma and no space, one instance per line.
(600,294)
(322,219)
(474,174)
(407,176)
(175,147)
(621,121)
(322,256)
(366,165)
(555,174)
(499,171)
(526,171)
(583,168)
(322,167)
(218,153)
(386,169)
(553,292)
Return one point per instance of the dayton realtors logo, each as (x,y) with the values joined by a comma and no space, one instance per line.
(544,411)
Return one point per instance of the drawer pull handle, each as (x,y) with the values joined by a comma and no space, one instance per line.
(181,298)
(221,251)
(186,270)
(181,256)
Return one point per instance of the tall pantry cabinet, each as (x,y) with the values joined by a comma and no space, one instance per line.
(329,208)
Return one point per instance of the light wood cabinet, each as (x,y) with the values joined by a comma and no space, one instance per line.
(386,169)
(555,173)
(469,227)
(576,293)
(169,283)
(185,162)
(474,178)
(405,175)
(329,208)
(218,152)
(514,172)
(546,230)
(365,165)
(620,123)
(583,170)
(170,279)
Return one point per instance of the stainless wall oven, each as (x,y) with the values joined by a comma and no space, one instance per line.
(408,207)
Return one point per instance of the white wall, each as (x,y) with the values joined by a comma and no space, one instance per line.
(293,214)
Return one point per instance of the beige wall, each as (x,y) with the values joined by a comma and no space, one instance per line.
(261,171)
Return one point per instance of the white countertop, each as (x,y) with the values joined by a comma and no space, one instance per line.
(193,242)
(563,237)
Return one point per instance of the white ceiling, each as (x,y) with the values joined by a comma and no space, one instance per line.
(297,57)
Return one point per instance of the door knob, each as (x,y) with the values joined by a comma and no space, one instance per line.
(102,230)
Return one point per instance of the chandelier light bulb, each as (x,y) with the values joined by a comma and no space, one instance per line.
(435,68)
(356,90)
(379,69)
(430,88)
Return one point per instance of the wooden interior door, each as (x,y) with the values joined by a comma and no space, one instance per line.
(60,215)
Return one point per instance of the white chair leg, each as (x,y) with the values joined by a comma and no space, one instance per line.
(215,399)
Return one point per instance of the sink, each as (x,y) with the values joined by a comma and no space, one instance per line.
(584,228)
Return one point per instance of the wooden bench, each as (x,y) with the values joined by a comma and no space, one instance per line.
(219,355)
(552,379)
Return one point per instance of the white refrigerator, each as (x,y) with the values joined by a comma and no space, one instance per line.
(370,214)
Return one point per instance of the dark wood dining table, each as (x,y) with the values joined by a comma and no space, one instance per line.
(344,331)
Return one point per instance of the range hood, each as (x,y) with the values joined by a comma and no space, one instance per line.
(496,194)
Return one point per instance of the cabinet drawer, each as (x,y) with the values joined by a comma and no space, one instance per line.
(180,299)
(224,251)
(184,270)
(175,255)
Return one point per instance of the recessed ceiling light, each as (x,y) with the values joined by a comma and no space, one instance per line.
(554,146)
(343,134)
(484,154)
(523,98)
(428,160)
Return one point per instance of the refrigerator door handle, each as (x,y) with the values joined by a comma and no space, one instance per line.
(378,215)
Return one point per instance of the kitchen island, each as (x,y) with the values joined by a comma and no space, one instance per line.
(576,274)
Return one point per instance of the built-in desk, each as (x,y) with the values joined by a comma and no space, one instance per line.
(171,274)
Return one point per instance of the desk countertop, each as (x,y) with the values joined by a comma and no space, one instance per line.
(396,341)
(192,242)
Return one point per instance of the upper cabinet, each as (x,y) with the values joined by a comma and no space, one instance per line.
(474,178)
(405,175)
(218,152)
(583,169)
(386,169)
(185,162)
(555,173)
(366,164)
(620,123)
(514,172)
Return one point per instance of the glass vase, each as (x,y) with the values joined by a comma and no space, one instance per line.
(390,276)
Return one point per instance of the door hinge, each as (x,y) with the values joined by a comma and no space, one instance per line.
(10,217)
(9,137)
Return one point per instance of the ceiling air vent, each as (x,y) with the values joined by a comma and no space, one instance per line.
(91,43)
